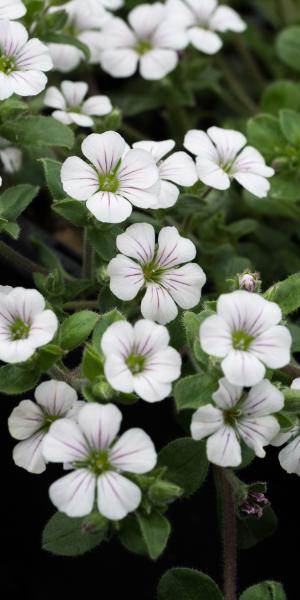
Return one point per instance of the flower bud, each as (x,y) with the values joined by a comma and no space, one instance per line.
(249,282)
(254,504)
(164,492)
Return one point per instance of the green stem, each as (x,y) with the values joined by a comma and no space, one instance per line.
(291,370)
(81,305)
(236,87)
(87,258)
(66,376)
(250,62)
(287,11)
(19,261)
(228,532)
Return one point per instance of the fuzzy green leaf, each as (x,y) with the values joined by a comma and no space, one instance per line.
(186,463)
(187,584)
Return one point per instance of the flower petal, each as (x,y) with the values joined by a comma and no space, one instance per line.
(226,19)
(74,493)
(273,347)
(147,387)
(54,98)
(55,397)
(205,421)
(258,432)
(118,374)
(289,457)
(28,454)
(117,496)
(248,312)
(157,149)
(149,338)
(79,179)
(25,420)
(43,328)
(242,368)
(100,424)
(198,143)
(126,277)
(215,336)
(205,41)
(28,83)
(65,443)
(164,365)
(138,241)
(227,394)
(119,62)
(74,92)
(109,208)
(185,284)
(64,57)
(118,339)
(211,174)
(168,195)
(173,249)
(34,56)
(228,142)
(12,9)
(133,452)
(97,105)
(103,150)
(263,399)
(158,305)
(179,168)
(223,448)
(137,171)
(157,63)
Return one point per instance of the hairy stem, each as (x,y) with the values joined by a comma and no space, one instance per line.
(81,304)
(19,261)
(66,376)
(228,533)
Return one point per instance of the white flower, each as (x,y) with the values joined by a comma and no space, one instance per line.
(289,457)
(10,156)
(151,42)
(202,19)
(107,4)
(157,270)
(30,421)
(25,325)
(12,9)
(238,416)
(21,62)
(220,159)
(246,335)
(84,22)
(117,179)
(98,462)
(177,168)
(138,359)
(71,107)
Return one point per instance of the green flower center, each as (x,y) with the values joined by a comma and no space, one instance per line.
(20,330)
(108,182)
(135,363)
(143,46)
(241,340)
(7,64)
(152,272)
(97,462)
(231,415)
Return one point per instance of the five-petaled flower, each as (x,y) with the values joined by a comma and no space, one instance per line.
(98,461)
(158,270)
(221,157)
(178,168)
(289,456)
(117,179)
(85,20)
(139,359)
(25,325)
(12,9)
(151,42)
(30,421)
(22,62)
(246,335)
(70,104)
(203,18)
(238,416)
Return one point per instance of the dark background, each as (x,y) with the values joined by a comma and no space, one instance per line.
(109,571)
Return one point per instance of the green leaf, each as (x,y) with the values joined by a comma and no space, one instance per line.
(195,390)
(76,329)
(15,199)
(251,531)
(69,40)
(290,125)
(279,95)
(45,255)
(155,530)
(38,132)
(186,463)
(103,323)
(73,211)
(264,133)
(52,170)
(104,240)
(286,293)
(268,590)
(187,584)
(131,537)
(291,401)
(67,536)
(92,364)
(288,47)
(15,379)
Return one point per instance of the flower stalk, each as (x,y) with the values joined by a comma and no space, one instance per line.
(226,497)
